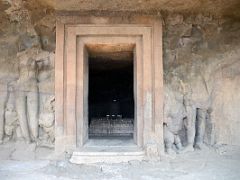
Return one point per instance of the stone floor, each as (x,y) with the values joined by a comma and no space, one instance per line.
(110,144)
(219,163)
(108,149)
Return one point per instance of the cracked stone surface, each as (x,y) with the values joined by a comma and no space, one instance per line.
(200,52)
(220,163)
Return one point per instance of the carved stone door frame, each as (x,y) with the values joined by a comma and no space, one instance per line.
(74,34)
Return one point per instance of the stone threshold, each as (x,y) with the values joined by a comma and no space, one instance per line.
(109,151)
(86,157)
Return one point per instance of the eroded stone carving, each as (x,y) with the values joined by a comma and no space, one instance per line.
(195,124)
(3,100)
(19,97)
(11,121)
(172,140)
(46,122)
(174,113)
(183,114)
(27,97)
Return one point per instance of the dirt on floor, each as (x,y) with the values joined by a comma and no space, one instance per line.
(220,163)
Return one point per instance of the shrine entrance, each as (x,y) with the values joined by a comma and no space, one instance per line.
(109,83)
(111,91)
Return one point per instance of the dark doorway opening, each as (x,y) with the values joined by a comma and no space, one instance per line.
(111,95)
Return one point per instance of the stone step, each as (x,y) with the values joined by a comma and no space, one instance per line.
(89,157)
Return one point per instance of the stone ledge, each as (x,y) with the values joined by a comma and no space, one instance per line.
(106,157)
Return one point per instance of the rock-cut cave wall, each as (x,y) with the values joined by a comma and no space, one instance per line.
(202,58)
(27,41)
(201,61)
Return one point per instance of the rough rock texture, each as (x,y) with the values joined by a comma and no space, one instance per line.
(201,58)
(200,165)
(27,34)
(216,7)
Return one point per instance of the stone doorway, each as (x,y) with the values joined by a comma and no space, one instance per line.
(76,38)
(111,91)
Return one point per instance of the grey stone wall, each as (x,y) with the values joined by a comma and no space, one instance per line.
(27,45)
(201,57)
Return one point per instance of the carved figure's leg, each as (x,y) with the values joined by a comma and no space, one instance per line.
(201,124)
(168,140)
(3,100)
(177,142)
(191,129)
(22,114)
(32,106)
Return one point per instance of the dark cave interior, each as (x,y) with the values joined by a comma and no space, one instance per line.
(110,89)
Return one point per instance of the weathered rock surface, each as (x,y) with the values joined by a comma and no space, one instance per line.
(27,41)
(217,7)
(201,57)
(203,54)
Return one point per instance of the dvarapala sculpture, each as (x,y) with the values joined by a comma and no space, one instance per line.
(27,95)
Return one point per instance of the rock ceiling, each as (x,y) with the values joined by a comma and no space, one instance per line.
(215,7)
(114,52)
(110,57)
